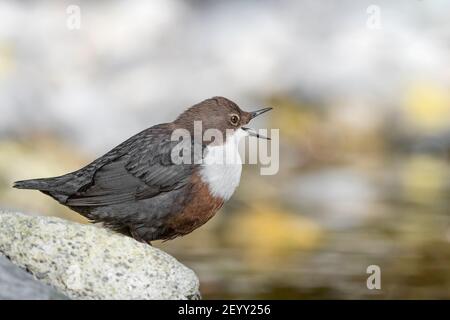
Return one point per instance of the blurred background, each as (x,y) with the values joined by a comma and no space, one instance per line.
(361,96)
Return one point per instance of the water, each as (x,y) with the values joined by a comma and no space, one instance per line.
(397,219)
(307,232)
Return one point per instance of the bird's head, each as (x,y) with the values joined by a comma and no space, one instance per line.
(221,114)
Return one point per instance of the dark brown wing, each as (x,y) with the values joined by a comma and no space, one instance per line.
(145,170)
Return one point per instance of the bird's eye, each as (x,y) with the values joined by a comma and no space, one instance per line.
(234,119)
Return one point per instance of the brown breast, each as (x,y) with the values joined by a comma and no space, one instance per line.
(199,207)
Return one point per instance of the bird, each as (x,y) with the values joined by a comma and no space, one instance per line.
(139,190)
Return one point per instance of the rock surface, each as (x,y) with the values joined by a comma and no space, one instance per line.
(17,284)
(88,262)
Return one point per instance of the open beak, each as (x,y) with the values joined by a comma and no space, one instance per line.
(252,132)
(256,113)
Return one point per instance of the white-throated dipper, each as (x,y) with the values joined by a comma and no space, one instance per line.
(139,190)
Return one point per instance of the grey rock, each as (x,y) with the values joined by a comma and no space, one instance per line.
(89,262)
(17,284)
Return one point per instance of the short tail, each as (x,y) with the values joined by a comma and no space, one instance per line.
(49,186)
(35,184)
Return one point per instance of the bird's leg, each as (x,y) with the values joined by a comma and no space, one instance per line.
(136,236)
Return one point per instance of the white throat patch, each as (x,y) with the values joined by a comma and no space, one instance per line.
(222,166)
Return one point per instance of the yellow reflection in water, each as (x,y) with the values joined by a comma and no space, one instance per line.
(424,178)
(6,59)
(269,233)
(428,107)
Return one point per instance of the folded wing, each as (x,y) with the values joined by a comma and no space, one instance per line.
(144,171)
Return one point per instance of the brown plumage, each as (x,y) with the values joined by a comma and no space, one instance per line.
(200,206)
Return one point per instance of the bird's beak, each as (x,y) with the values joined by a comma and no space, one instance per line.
(252,132)
(256,113)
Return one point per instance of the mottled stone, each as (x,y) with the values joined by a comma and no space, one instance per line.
(17,284)
(89,262)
